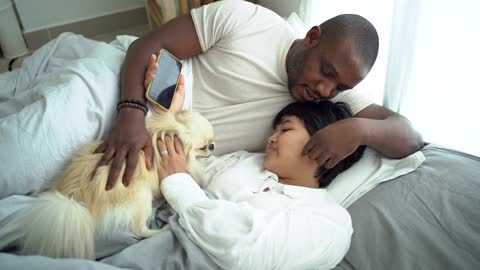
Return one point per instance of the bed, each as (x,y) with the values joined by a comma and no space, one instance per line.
(425,218)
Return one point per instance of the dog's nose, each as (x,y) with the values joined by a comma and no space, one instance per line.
(211,147)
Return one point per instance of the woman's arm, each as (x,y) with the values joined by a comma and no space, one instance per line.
(239,236)
(311,231)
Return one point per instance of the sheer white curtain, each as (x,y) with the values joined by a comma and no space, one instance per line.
(433,78)
(429,66)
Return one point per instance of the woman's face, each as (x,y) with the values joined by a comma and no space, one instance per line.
(284,150)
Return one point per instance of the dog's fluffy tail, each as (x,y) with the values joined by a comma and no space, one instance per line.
(57,227)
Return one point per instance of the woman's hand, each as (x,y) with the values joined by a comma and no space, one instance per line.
(152,68)
(178,98)
(172,159)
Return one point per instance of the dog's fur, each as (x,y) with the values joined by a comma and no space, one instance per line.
(63,222)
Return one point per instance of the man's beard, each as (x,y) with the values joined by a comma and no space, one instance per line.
(294,68)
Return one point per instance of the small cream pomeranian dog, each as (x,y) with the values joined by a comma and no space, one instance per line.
(63,222)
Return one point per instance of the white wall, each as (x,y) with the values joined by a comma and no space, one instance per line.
(281,7)
(40,14)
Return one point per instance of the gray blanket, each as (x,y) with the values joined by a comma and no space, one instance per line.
(170,249)
(428,219)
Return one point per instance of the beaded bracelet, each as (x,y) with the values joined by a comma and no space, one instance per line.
(132,103)
(136,101)
(121,105)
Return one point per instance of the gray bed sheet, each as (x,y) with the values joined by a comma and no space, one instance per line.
(428,219)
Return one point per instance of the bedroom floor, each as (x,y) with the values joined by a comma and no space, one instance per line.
(107,37)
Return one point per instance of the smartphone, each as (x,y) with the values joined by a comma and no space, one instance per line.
(160,91)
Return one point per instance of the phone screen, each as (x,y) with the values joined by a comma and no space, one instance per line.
(165,82)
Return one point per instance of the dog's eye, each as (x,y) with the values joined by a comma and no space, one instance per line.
(203,148)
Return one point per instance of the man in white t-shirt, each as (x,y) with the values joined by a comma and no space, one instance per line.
(247,64)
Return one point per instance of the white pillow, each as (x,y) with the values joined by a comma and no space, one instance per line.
(372,169)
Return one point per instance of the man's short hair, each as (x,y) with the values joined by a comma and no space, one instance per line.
(355,27)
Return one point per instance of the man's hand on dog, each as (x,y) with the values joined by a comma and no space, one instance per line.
(172,159)
(129,135)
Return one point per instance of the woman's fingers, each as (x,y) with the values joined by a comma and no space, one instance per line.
(162,149)
(178,145)
(179,97)
(153,60)
(169,145)
(151,70)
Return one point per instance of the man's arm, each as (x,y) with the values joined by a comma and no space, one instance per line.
(388,132)
(129,134)
(177,36)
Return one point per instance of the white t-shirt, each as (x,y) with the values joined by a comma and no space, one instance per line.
(240,79)
(257,223)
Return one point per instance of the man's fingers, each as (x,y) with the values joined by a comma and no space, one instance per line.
(107,156)
(315,152)
(321,160)
(101,148)
(104,160)
(115,169)
(130,167)
(308,147)
(178,145)
(148,150)
(331,162)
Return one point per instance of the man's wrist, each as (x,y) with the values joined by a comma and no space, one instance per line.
(131,113)
(363,128)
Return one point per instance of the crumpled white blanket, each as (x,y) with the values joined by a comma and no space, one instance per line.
(62,97)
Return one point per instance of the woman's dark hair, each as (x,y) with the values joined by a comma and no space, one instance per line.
(316,115)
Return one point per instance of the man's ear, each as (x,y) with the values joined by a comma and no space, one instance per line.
(313,36)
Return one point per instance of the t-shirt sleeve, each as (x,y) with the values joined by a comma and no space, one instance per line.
(355,99)
(220,20)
